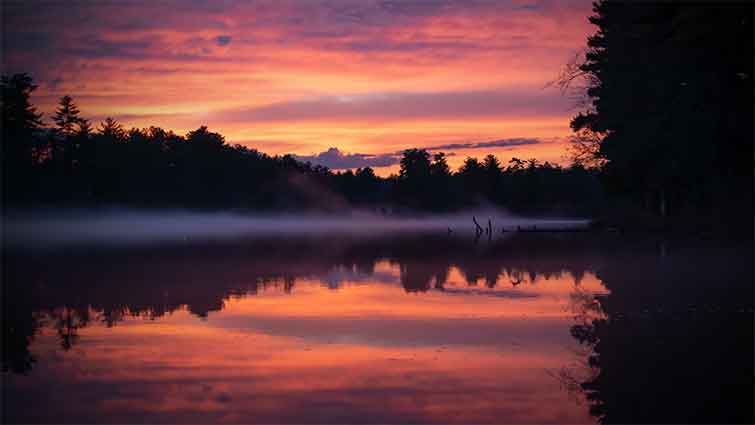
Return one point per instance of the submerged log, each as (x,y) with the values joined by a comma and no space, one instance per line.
(478,228)
(536,230)
(488,230)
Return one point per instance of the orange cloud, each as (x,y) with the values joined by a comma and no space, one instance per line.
(300,77)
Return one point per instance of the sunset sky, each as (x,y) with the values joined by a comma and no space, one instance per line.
(342,83)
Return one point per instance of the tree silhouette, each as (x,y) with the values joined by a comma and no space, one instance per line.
(669,107)
(71,130)
(67,117)
(20,118)
(415,164)
(414,177)
(110,129)
(492,168)
(20,124)
(153,167)
(439,167)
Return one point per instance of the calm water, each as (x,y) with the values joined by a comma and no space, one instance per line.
(530,328)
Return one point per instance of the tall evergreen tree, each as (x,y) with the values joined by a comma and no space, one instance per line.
(111,130)
(68,126)
(439,167)
(66,117)
(670,92)
(19,121)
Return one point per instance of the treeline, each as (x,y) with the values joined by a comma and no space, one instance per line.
(668,105)
(76,163)
(666,128)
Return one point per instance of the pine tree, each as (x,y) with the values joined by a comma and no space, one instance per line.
(67,117)
(112,130)
(19,120)
(669,95)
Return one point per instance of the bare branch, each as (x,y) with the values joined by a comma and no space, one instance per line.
(584,149)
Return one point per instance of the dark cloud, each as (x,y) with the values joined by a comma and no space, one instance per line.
(94,48)
(385,45)
(415,8)
(337,160)
(39,35)
(529,7)
(55,83)
(157,70)
(223,40)
(519,102)
(520,141)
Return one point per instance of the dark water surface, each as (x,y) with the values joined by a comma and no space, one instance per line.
(530,328)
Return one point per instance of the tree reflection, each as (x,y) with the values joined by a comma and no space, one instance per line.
(676,344)
(116,283)
(670,343)
(20,324)
(67,323)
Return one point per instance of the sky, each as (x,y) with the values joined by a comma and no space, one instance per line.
(340,83)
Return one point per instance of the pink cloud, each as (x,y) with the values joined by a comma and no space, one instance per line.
(242,67)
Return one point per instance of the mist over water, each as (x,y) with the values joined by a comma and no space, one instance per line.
(123,226)
(530,328)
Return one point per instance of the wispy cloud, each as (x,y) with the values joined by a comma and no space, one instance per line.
(367,76)
(336,159)
(491,144)
(516,102)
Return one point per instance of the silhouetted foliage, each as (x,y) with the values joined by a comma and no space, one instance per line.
(20,124)
(677,339)
(668,107)
(74,163)
(207,274)
(666,336)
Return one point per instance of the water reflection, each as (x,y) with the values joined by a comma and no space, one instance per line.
(677,339)
(533,328)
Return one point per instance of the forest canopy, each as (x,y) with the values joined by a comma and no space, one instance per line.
(77,163)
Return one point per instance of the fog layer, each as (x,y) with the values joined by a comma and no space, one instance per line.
(51,228)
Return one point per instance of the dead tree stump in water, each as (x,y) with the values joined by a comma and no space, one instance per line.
(478,228)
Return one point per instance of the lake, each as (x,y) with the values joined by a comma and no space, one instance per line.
(429,328)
